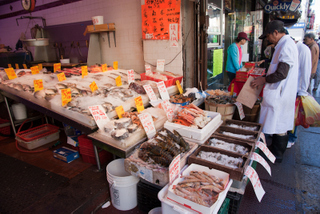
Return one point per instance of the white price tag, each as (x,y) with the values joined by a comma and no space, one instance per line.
(160,65)
(174,168)
(240,110)
(255,181)
(130,76)
(152,96)
(263,137)
(263,162)
(99,115)
(266,151)
(147,124)
(148,69)
(163,90)
(166,105)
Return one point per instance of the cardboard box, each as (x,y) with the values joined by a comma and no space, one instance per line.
(65,154)
(73,141)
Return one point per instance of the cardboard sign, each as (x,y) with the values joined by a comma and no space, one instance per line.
(148,125)
(99,115)
(115,65)
(174,169)
(266,151)
(152,96)
(34,69)
(240,110)
(163,90)
(38,85)
(61,77)
(24,66)
(65,96)
(104,67)
(130,76)
(263,162)
(119,111)
(118,81)
(179,87)
(139,103)
(148,69)
(248,95)
(10,73)
(9,66)
(173,35)
(84,71)
(160,65)
(93,86)
(166,105)
(40,67)
(56,67)
(255,181)
(17,66)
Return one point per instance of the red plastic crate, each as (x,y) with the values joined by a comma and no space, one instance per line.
(85,142)
(171,80)
(7,129)
(242,76)
(37,132)
(103,155)
(256,72)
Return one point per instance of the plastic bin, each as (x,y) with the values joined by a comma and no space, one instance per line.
(235,200)
(6,130)
(37,142)
(103,155)
(224,207)
(37,132)
(171,80)
(148,196)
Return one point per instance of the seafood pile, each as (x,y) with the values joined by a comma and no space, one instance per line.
(163,148)
(250,128)
(200,187)
(220,99)
(217,143)
(242,136)
(192,116)
(221,159)
(218,92)
(180,98)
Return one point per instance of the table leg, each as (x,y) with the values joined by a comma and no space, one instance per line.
(97,157)
(10,115)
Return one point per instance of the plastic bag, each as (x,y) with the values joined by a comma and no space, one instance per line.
(300,119)
(312,110)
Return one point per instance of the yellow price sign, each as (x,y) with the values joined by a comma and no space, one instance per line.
(40,67)
(179,87)
(10,73)
(119,111)
(93,86)
(65,96)
(9,66)
(104,67)
(38,85)
(56,67)
(139,103)
(17,66)
(34,69)
(24,66)
(61,77)
(84,71)
(115,65)
(118,81)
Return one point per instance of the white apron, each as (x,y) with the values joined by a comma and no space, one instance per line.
(277,107)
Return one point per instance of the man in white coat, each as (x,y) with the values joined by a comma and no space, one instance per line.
(280,88)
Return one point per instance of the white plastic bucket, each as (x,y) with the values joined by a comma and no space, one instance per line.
(123,186)
(97,20)
(157,210)
(19,111)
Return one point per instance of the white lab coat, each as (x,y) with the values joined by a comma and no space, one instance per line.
(278,105)
(305,66)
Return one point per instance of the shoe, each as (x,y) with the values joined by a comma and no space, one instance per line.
(314,89)
(290,144)
(279,146)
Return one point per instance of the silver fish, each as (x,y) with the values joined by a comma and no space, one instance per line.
(108,107)
(39,94)
(60,86)
(18,87)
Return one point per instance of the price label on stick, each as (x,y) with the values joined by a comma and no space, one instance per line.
(84,71)
(160,65)
(179,87)
(119,111)
(148,125)
(166,105)
(263,138)
(104,67)
(115,65)
(24,66)
(38,85)
(174,169)
(99,115)
(34,69)
(61,77)
(163,90)
(148,69)
(152,96)
(93,86)
(266,151)
(65,96)
(17,66)
(139,103)
(130,76)
(9,66)
(255,181)
(10,73)
(40,67)
(263,162)
(118,81)
(240,110)
(56,67)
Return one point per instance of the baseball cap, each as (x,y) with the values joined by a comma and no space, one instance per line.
(243,35)
(271,27)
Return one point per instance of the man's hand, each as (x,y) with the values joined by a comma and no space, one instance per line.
(260,62)
(258,81)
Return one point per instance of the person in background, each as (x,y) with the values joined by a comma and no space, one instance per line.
(317,78)
(305,67)
(309,40)
(234,55)
(280,88)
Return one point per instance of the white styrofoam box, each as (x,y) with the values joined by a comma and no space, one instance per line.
(192,205)
(38,142)
(192,133)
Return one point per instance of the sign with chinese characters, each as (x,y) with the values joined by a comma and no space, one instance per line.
(119,111)
(166,105)
(263,162)
(266,151)
(150,92)
(139,103)
(38,85)
(130,76)
(56,67)
(10,73)
(173,35)
(255,181)
(179,87)
(61,77)
(160,65)
(174,169)
(148,125)
(118,81)
(157,16)
(163,90)
(240,110)
(34,69)
(148,69)
(93,86)
(65,96)
(84,71)
(115,65)
(104,67)
(99,115)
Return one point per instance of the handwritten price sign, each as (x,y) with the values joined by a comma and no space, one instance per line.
(255,181)
(40,67)
(34,69)
(263,162)
(17,66)
(163,90)
(118,81)
(174,169)
(61,77)
(104,67)
(147,124)
(148,69)
(160,65)
(150,92)
(115,65)
(179,87)
(139,103)
(9,66)
(56,67)
(38,85)
(99,115)
(240,110)
(130,76)
(93,86)
(24,66)
(166,105)
(266,151)
(84,71)
(65,96)
(10,73)
(119,111)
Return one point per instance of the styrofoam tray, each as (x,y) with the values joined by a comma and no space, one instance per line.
(38,142)
(192,133)
(192,205)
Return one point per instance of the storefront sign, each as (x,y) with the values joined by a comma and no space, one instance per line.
(163,90)
(174,169)
(99,115)
(130,76)
(282,6)
(166,105)
(266,151)
(255,181)
(10,73)
(93,86)
(65,96)
(150,92)
(148,124)
(263,162)
(139,103)
(119,111)
(61,77)
(34,69)
(84,71)
(38,85)
(104,67)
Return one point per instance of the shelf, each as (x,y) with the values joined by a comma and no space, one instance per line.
(110,27)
